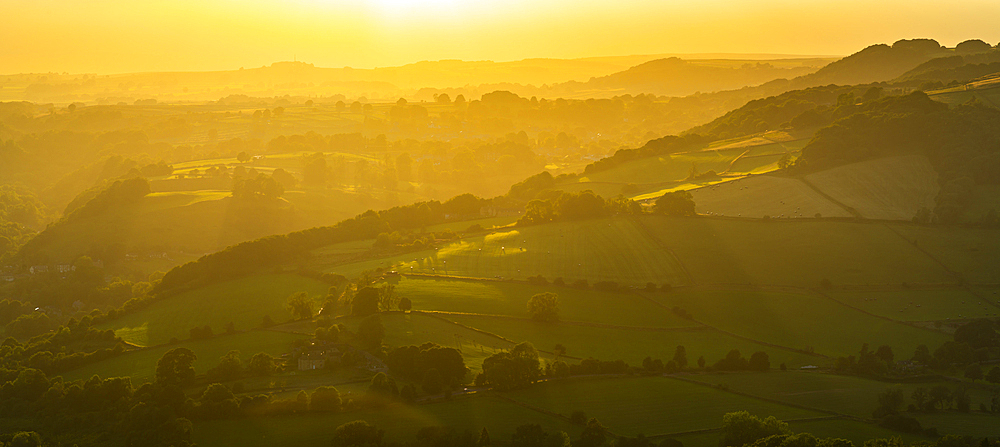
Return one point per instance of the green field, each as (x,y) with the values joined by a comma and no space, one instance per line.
(978,425)
(416,329)
(798,321)
(181,224)
(630,345)
(139,364)
(648,405)
(596,250)
(764,195)
(854,431)
(920,305)
(510,299)
(853,396)
(243,302)
(795,253)
(654,176)
(973,253)
(400,423)
(887,188)
(667,168)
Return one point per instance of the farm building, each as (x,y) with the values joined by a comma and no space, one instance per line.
(318,354)
(496,211)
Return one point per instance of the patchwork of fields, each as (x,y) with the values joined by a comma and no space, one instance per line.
(244,302)
(746,285)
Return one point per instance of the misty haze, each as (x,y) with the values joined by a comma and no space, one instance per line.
(447,223)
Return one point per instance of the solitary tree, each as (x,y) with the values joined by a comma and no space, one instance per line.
(260,364)
(974,372)
(680,357)
(544,307)
(242,157)
(405,304)
(300,306)
(371,331)
(325,398)
(484,438)
(365,302)
(677,203)
(174,368)
(593,435)
(759,361)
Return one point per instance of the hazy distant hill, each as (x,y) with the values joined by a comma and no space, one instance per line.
(677,77)
(876,63)
(299,78)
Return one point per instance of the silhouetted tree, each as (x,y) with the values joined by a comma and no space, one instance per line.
(544,307)
(175,367)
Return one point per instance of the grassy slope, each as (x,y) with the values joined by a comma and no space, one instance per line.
(764,195)
(856,432)
(888,188)
(244,302)
(400,423)
(504,298)
(416,329)
(973,253)
(799,321)
(140,364)
(853,396)
(934,304)
(625,405)
(176,223)
(793,253)
(630,345)
(597,250)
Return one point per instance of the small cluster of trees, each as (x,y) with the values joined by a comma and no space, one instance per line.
(231,368)
(972,343)
(511,369)
(362,434)
(434,366)
(571,206)
(409,241)
(374,299)
(262,186)
(544,307)
(878,362)
(47,352)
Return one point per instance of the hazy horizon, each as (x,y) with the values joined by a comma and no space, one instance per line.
(215,35)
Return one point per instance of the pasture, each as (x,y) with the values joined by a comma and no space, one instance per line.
(978,425)
(794,253)
(613,249)
(417,329)
(849,395)
(400,423)
(243,302)
(510,299)
(854,431)
(630,345)
(801,321)
(181,224)
(140,364)
(920,304)
(892,188)
(972,253)
(648,405)
(764,195)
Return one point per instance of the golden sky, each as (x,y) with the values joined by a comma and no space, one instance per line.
(116,36)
